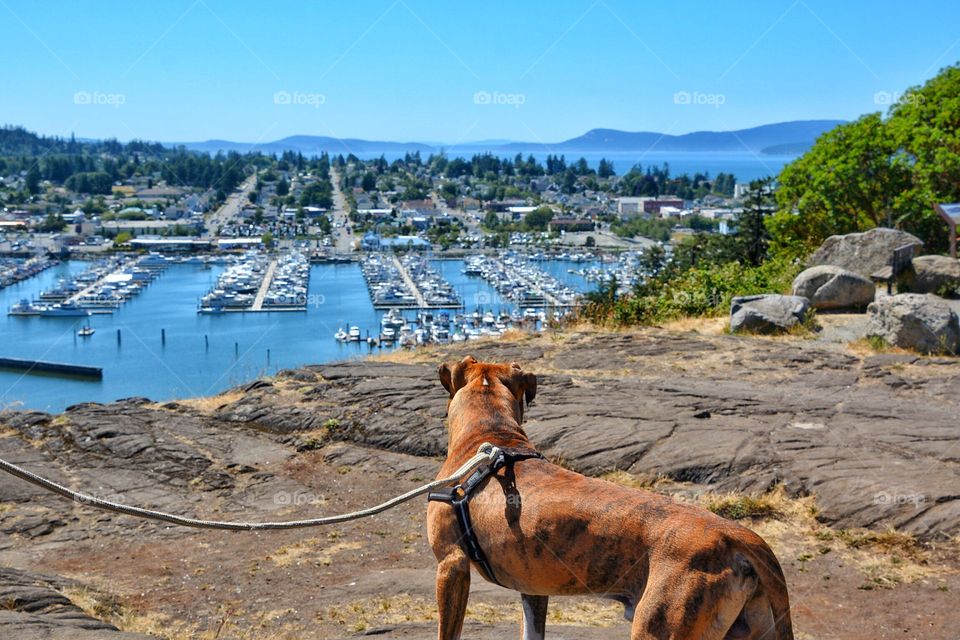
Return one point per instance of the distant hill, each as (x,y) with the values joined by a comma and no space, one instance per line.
(783,137)
(799,135)
(791,138)
(311,145)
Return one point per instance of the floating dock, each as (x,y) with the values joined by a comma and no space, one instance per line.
(52,368)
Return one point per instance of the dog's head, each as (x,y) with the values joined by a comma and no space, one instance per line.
(521,385)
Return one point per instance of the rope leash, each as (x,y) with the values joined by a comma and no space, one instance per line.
(487,453)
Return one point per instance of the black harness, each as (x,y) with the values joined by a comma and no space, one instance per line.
(459,498)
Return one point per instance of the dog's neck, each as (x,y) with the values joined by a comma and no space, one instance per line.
(481,413)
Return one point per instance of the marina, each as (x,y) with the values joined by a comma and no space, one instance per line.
(407,282)
(13,271)
(100,289)
(256,282)
(156,345)
(518,279)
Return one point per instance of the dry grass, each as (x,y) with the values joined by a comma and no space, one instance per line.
(707,326)
(873,346)
(361,615)
(311,550)
(635,481)
(211,404)
(773,504)
(109,608)
(6,506)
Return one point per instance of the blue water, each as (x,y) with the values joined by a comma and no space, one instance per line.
(202,354)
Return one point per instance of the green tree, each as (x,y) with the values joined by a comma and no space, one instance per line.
(538,219)
(32,181)
(283,187)
(877,171)
(751,232)
(369,182)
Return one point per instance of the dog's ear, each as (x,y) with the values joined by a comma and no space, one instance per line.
(526,383)
(529,387)
(446,377)
(454,377)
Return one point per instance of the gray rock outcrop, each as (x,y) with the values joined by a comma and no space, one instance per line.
(831,287)
(924,323)
(932,274)
(863,253)
(767,313)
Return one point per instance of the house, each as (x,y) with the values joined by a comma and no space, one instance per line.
(370,242)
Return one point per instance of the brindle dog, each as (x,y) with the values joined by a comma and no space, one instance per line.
(680,571)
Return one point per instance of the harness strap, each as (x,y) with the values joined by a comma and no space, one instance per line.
(459,498)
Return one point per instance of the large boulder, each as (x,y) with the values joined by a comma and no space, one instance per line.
(863,253)
(768,313)
(830,287)
(931,274)
(921,322)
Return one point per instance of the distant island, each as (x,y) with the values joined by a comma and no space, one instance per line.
(789,138)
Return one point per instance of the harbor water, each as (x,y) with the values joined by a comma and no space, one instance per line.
(166,350)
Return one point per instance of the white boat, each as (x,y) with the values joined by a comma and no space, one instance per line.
(341,335)
(354,334)
(388,334)
(86,331)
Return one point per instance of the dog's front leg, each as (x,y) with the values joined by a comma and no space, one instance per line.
(534,617)
(453,589)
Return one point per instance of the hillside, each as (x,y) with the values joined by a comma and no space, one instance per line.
(854,441)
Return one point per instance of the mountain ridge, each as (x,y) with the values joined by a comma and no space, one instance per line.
(792,137)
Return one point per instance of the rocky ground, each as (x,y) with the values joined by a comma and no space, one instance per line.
(852,458)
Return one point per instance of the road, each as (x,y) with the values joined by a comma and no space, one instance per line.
(230,210)
(342,241)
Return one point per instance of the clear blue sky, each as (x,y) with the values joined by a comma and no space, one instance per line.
(179,70)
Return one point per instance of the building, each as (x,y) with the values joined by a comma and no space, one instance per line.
(146,227)
(571,224)
(170,244)
(656,205)
(239,244)
(630,206)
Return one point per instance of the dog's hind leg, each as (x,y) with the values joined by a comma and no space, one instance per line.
(453,589)
(534,617)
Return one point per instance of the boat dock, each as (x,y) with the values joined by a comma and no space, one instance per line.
(258,283)
(410,284)
(14,272)
(264,286)
(51,368)
(522,282)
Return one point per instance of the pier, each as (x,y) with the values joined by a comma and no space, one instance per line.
(52,368)
(258,283)
(264,286)
(408,281)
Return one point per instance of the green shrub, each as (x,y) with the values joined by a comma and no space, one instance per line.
(700,291)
